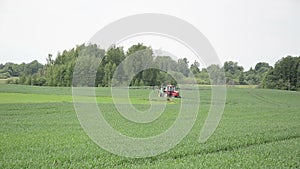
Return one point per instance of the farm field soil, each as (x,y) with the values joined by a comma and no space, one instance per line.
(2,81)
(39,129)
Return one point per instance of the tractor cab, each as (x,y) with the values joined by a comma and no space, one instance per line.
(168,91)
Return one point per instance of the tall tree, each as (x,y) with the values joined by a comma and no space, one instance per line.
(183,66)
(285,75)
(195,67)
(233,72)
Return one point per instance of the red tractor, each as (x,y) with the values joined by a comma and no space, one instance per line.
(168,91)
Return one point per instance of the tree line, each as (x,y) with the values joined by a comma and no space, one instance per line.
(59,71)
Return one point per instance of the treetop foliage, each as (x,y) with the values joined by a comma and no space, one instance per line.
(116,66)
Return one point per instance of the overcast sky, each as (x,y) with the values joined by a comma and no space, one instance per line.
(244,31)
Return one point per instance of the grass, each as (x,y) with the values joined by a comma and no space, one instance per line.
(39,129)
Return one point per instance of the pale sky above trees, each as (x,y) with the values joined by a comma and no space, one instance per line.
(244,31)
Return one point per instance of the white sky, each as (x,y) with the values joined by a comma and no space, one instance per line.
(244,31)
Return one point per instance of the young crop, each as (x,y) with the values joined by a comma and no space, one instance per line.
(39,129)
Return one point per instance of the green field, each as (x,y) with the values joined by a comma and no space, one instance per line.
(39,129)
